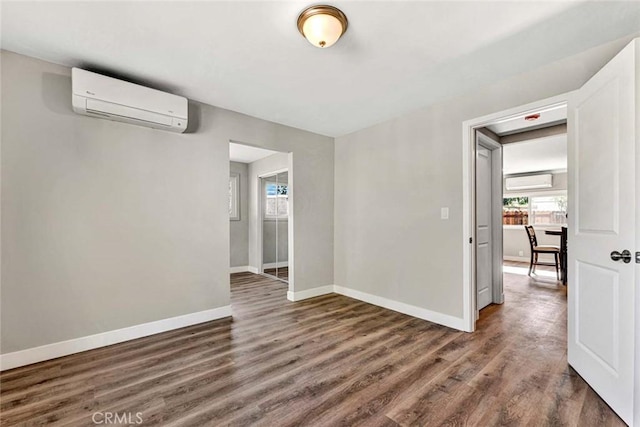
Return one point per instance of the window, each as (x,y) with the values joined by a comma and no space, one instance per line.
(276,200)
(548,210)
(535,210)
(234,190)
(515,211)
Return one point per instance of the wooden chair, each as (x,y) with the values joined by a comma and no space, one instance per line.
(547,249)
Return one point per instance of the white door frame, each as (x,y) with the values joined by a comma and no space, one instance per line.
(468,195)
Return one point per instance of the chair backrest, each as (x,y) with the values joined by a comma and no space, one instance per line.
(532,236)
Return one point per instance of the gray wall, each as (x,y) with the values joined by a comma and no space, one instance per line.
(515,239)
(107,225)
(393,178)
(239,230)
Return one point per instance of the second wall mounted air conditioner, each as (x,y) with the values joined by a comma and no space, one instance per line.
(529,182)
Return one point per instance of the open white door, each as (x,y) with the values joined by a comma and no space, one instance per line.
(488,236)
(484,242)
(602,139)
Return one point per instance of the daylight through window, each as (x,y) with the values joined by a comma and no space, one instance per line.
(535,210)
(276,200)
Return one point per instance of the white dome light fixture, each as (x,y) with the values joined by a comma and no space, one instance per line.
(322,25)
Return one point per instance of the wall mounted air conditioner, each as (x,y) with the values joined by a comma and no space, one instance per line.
(529,182)
(108,98)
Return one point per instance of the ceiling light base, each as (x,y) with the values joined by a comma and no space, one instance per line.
(322,25)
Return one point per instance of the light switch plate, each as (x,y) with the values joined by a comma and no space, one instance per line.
(444,213)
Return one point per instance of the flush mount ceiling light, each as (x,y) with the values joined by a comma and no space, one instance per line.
(322,25)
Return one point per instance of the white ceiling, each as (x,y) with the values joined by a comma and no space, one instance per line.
(247,154)
(544,154)
(248,57)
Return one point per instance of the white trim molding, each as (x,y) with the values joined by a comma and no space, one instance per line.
(239,269)
(419,312)
(77,345)
(253,270)
(310,293)
(411,310)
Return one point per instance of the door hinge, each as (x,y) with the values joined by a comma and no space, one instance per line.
(637,257)
(471,241)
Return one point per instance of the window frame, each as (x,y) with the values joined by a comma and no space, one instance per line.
(530,195)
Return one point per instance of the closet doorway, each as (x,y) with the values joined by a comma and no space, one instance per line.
(275,224)
(261,212)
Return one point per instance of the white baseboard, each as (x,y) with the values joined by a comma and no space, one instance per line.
(309,293)
(411,310)
(240,269)
(64,348)
(253,270)
(276,264)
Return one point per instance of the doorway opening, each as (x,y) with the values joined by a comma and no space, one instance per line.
(601,306)
(261,212)
(516,177)
(528,196)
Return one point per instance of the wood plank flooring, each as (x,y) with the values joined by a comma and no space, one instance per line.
(326,361)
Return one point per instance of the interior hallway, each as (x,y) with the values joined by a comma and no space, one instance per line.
(324,361)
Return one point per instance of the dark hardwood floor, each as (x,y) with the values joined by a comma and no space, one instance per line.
(326,361)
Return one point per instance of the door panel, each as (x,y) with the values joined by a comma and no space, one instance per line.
(598,189)
(602,209)
(598,291)
(484,250)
